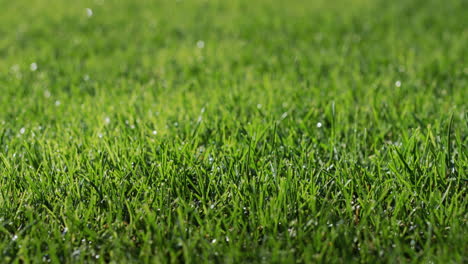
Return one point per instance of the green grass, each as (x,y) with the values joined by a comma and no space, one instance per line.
(233,131)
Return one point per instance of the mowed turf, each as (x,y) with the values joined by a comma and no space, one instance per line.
(233,131)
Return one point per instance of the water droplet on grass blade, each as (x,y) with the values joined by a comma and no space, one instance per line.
(76,253)
(89,12)
(284,115)
(200,44)
(33,66)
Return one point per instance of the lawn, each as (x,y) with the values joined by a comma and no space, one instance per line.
(233,131)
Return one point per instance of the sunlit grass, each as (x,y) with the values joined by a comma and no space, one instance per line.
(233,131)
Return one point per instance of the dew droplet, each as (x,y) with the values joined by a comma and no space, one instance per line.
(33,66)
(89,12)
(200,44)
(76,253)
